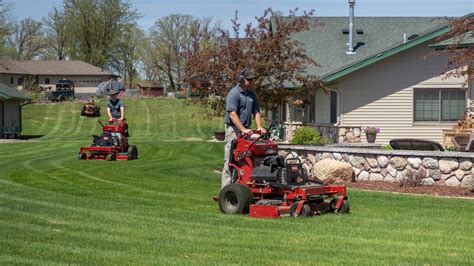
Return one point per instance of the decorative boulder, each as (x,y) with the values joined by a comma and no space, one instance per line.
(332,171)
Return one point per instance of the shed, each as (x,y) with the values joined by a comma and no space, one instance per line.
(10,111)
(150,89)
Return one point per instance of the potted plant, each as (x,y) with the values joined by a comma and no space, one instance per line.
(299,104)
(371,133)
(219,135)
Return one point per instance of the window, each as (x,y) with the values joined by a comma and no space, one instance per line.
(12,80)
(46,81)
(20,81)
(438,104)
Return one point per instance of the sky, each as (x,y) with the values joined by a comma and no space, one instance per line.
(223,10)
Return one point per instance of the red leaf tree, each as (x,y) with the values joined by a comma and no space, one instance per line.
(277,60)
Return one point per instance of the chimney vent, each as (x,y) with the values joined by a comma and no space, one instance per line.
(350,49)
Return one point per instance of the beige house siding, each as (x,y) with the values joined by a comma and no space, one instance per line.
(381,95)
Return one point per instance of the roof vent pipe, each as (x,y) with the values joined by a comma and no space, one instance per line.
(350,50)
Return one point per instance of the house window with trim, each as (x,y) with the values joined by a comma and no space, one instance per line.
(46,81)
(12,80)
(438,105)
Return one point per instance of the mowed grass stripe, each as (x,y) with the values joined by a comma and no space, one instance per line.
(158,209)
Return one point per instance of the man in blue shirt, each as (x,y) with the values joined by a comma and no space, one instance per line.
(115,107)
(241,104)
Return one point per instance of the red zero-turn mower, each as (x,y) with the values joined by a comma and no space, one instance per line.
(267,186)
(111,145)
(90,109)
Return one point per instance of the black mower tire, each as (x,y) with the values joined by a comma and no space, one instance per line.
(110,157)
(235,198)
(345,208)
(132,152)
(305,210)
(81,156)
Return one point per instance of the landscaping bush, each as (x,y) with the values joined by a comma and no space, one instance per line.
(387,147)
(306,135)
(413,179)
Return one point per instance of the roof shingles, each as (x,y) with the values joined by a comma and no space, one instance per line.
(327,45)
(37,67)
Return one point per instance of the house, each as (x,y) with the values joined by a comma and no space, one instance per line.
(150,89)
(46,74)
(10,111)
(384,82)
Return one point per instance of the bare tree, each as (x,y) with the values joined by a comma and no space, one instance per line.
(56,34)
(128,54)
(26,39)
(172,39)
(147,62)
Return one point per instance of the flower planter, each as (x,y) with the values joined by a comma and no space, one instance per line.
(370,137)
(219,135)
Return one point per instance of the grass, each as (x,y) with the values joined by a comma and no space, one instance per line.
(56,209)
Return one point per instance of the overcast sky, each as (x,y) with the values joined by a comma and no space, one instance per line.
(223,10)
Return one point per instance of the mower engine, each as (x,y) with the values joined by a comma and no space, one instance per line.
(268,186)
(111,145)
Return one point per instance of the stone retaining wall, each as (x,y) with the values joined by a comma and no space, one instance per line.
(435,168)
(337,134)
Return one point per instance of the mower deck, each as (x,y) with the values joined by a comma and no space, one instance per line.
(266,185)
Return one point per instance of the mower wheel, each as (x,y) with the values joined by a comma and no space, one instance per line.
(81,156)
(344,206)
(305,210)
(235,198)
(132,152)
(110,157)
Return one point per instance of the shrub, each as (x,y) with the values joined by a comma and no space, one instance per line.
(306,135)
(413,179)
(386,147)
(451,148)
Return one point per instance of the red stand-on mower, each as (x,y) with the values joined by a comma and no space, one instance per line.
(90,109)
(265,185)
(111,145)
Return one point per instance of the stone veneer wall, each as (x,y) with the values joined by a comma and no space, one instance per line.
(437,168)
(337,134)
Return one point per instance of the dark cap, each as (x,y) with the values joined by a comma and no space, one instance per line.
(247,74)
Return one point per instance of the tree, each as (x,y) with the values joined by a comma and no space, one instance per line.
(277,60)
(4,25)
(128,54)
(25,40)
(172,40)
(56,34)
(147,62)
(95,28)
(460,54)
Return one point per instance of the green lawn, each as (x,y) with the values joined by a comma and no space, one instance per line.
(56,209)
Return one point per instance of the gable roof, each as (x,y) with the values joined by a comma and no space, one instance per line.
(463,41)
(8,93)
(382,37)
(55,67)
(149,84)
